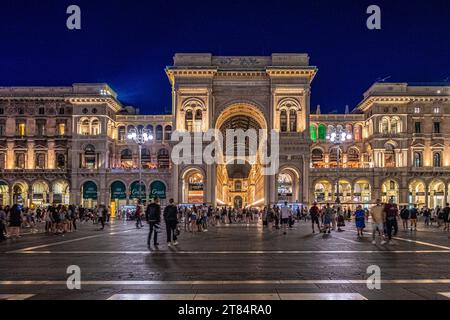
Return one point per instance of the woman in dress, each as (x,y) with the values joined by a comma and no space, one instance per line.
(360,220)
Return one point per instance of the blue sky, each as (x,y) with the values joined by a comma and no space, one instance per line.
(129,43)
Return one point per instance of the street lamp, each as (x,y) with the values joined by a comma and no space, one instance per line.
(140,137)
(338,136)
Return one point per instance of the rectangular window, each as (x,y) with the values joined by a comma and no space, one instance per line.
(40,128)
(21,128)
(418,127)
(437,110)
(2,129)
(2,111)
(437,127)
(62,129)
(416,110)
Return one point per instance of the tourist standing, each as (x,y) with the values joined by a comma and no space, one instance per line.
(171,220)
(314,213)
(153,217)
(360,220)
(404,215)
(327,218)
(286,214)
(378,220)
(391,212)
(101,214)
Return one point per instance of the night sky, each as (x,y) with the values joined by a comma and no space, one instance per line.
(127,44)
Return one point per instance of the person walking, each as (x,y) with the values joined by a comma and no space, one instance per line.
(101,215)
(413,217)
(153,217)
(360,220)
(391,211)
(171,220)
(138,214)
(378,220)
(286,214)
(328,219)
(314,213)
(404,215)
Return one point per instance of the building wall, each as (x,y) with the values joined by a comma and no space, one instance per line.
(55,139)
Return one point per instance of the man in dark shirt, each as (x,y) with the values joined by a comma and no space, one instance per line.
(171,219)
(153,217)
(391,213)
(314,212)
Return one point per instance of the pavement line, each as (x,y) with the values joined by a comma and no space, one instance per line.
(16,297)
(67,241)
(414,241)
(220,282)
(232,252)
(241,296)
(445,294)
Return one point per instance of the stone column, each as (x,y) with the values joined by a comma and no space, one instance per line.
(175,184)
(30,155)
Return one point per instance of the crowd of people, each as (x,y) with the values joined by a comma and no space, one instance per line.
(385,219)
(57,219)
(60,219)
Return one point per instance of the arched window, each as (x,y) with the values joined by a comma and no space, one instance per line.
(357,132)
(317,158)
(238,186)
(126,159)
(437,160)
(84,129)
(283,121)
(353,158)
(418,159)
(168,133)
(95,127)
(384,126)
(189,118)
(163,159)
(293,120)
(313,130)
(150,130)
(159,133)
(146,158)
(334,154)
(395,125)
(322,132)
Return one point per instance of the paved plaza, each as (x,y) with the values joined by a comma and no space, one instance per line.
(227,262)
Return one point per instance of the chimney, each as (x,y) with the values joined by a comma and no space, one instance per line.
(318,109)
(347,109)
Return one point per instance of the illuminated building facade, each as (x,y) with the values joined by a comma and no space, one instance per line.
(68,144)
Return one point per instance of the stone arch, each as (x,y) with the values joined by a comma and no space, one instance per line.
(241,108)
(289,190)
(188,195)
